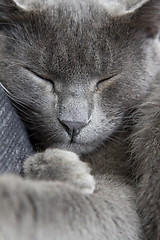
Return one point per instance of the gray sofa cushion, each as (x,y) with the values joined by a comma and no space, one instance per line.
(14,142)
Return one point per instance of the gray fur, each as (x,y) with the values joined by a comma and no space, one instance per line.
(79,63)
(56,210)
(146,147)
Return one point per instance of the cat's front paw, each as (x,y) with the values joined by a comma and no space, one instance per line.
(61,165)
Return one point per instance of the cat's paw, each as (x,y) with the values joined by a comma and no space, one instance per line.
(61,165)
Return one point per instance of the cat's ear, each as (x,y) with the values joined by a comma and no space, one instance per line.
(10,11)
(147,18)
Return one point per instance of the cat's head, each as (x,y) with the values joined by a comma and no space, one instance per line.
(73,69)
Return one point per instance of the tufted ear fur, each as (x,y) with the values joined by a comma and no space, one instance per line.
(147,18)
(10,11)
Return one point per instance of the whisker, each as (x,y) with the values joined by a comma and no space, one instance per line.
(4,36)
(38,126)
(52,137)
(27,105)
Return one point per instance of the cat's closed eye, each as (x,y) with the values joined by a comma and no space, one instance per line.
(104,82)
(40,76)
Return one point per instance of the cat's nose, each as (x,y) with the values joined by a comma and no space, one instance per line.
(73,128)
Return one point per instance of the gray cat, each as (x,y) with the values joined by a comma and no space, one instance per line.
(85,82)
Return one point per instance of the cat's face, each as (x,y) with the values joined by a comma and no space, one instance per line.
(74,71)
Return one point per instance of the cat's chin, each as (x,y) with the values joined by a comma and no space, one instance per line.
(75,147)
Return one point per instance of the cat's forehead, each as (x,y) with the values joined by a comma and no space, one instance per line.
(72,37)
(115,7)
(75,12)
(71,21)
(71,43)
(74,22)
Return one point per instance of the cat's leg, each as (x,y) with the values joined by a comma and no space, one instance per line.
(39,210)
(112,202)
(146,151)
